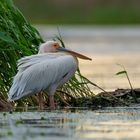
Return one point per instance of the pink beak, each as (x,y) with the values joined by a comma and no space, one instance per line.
(74,53)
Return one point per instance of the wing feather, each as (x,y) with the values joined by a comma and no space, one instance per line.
(28,61)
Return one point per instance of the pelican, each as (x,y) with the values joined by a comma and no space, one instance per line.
(52,67)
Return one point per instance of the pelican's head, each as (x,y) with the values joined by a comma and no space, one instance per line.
(49,46)
(53,46)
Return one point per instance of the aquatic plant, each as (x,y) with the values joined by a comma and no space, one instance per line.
(17,38)
(124,72)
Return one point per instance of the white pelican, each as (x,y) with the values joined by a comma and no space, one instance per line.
(50,68)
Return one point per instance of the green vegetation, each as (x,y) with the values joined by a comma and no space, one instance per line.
(124,72)
(17,38)
(97,12)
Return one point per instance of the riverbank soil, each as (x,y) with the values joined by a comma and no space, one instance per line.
(119,97)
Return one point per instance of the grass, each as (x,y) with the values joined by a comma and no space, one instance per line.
(124,72)
(19,38)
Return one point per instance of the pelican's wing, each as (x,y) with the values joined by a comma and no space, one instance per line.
(40,73)
(28,61)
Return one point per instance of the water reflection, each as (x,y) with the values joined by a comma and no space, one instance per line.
(108,123)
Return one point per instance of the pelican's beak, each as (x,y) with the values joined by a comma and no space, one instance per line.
(74,53)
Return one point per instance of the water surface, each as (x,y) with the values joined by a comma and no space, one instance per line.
(108,123)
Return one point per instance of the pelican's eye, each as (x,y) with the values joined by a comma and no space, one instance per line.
(56,45)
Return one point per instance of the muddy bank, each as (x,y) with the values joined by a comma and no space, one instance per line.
(4,105)
(119,97)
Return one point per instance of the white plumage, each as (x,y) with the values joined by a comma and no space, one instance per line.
(42,72)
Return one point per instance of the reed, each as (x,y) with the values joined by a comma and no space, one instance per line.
(124,72)
(17,38)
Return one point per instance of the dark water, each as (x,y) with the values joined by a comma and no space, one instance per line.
(77,123)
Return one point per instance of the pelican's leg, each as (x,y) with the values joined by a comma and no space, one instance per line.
(51,102)
(41,101)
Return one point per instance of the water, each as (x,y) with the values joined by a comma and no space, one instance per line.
(72,124)
(108,46)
